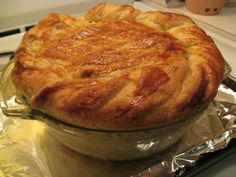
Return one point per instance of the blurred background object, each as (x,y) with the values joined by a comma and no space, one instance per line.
(230,3)
(205,7)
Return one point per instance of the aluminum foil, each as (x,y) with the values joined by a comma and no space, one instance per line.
(213,131)
(28,150)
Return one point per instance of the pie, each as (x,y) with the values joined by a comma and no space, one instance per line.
(117,68)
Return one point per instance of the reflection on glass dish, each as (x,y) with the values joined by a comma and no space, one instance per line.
(104,144)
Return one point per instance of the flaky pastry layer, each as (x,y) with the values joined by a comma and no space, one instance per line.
(117,67)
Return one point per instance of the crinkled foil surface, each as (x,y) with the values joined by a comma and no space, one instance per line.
(28,150)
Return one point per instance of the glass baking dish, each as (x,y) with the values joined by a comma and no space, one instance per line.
(102,144)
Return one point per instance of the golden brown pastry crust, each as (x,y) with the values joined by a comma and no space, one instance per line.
(117,68)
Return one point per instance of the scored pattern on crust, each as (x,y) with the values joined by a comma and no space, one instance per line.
(117,67)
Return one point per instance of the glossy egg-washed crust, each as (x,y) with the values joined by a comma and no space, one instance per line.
(117,68)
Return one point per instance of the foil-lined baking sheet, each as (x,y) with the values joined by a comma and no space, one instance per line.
(28,150)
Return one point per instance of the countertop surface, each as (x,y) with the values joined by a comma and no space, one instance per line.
(223,20)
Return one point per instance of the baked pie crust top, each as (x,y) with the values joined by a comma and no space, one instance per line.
(117,67)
